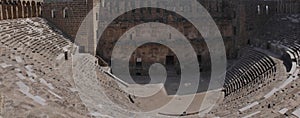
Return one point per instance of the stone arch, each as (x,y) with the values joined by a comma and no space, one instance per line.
(29,9)
(39,8)
(258,9)
(4,9)
(267,9)
(20,9)
(34,11)
(66,12)
(9,9)
(25,9)
(1,14)
(14,9)
(53,13)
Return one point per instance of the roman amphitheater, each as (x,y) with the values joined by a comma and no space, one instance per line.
(51,65)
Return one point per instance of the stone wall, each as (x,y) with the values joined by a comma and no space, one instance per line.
(258,13)
(237,20)
(223,12)
(68,15)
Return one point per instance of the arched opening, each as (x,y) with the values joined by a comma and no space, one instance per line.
(1,12)
(249,42)
(39,9)
(29,9)
(25,10)
(258,9)
(287,61)
(4,9)
(53,13)
(15,9)
(66,12)
(267,9)
(20,9)
(33,6)
(9,9)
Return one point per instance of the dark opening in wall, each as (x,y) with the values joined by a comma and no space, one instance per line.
(29,9)
(258,9)
(66,12)
(268,45)
(287,62)
(20,9)
(170,60)
(33,9)
(249,42)
(53,13)
(14,9)
(199,59)
(267,9)
(138,73)
(9,11)
(138,64)
(234,14)
(66,55)
(234,30)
